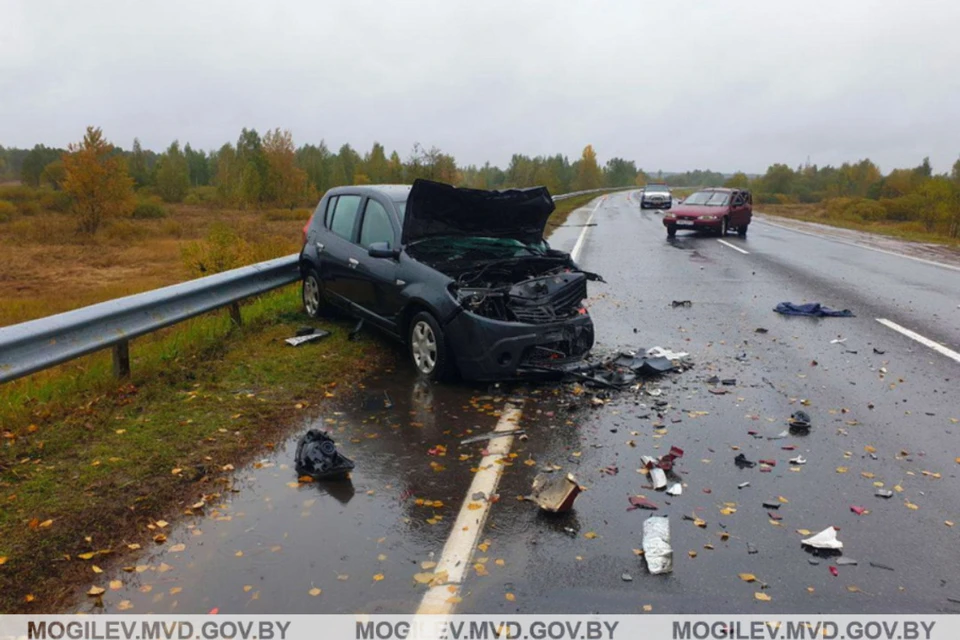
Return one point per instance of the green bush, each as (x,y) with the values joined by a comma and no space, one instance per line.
(203,196)
(56,201)
(868,211)
(7,210)
(902,209)
(18,193)
(275,215)
(148,211)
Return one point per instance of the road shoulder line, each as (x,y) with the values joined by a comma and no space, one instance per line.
(927,342)
(732,246)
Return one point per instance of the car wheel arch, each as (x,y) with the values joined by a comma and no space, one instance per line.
(412,308)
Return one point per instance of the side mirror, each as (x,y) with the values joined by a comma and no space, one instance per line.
(382,250)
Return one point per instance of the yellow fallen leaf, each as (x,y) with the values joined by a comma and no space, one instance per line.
(96,569)
(483,546)
(159,538)
(133,546)
(530,462)
(590,535)
(510,597)
(803,532)
(638,552)
(378,577)
(867,475)
(870,449)
(140,568)
(239,554)
(177,548)
(949,523)
(910,505)
(3,560)
(147,588)
(762,597)
(648,607)
(315,592)
(853,589)
(692,554)
(898,488)
(775,523)
(164,567)
(45,524)
(454,600)
(116,585)
(86,556)
(842,469)
(247,588)
(175,590)
(480,569)
(728,511)
(782,500)
(748,577)
(162,523)
(96,591)
(810,589)
(423,578)
(499,562)
(473,506)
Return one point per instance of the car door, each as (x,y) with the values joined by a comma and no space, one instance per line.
(738,210)
(338,256)
(378,290)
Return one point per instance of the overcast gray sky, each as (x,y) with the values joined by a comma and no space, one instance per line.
(672,84)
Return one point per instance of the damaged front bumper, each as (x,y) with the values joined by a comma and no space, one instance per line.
(488,349)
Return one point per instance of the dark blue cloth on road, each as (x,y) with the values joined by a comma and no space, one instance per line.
(814,309)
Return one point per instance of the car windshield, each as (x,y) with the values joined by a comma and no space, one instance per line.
(708,198)
(658,190)
(478,248)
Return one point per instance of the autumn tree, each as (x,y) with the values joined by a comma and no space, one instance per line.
(53,174)
(739,180)
(395,169)
(173,174)
(589,175)
(286,183)
(97,180)
(375,164)
(641,178)
(253,169)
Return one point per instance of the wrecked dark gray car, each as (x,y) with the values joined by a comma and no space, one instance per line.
(463,277)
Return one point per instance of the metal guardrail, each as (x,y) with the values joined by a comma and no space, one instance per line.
(36,345)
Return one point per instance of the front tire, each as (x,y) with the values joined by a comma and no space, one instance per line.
(428,348)
(742,230)
(311,294)
(672,231)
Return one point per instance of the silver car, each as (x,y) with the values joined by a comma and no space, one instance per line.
(656,196)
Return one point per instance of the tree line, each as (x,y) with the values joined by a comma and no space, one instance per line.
(862,193)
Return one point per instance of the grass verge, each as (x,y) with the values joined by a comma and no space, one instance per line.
(569,205)
(818,213)
(88,465)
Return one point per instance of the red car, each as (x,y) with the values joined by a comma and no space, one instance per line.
(717,210)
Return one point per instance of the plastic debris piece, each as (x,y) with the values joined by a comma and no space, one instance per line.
(838,341)
(639,502)
(555,493)
(310,337)
(656,545)
(826,539)
(775,516)
(800,420)
(675,489)
(743,485)
(729,382)
(752,548)
(770,504)
(834,571)
(760,330)
(769,463)
(742,462)
(877,565)
(779,436)
(845,561)
(858,510)
(798,460)
(681,303)
(660,352)
(492,435)
(317,457)
(626,577)
(659,478)
(883,493)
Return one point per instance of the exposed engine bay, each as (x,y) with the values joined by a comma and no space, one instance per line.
(534,290)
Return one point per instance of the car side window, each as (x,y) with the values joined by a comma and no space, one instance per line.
(328,212)
(345,216)
(738,200)
(376,225)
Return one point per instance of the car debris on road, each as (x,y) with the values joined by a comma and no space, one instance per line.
(554,493)
(317,457)
(656,545)
(303,337)
(826,539)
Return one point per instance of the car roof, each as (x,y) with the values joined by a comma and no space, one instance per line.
(720,189)
(395,192)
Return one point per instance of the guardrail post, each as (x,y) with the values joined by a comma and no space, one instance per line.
(235,314)
(121,360)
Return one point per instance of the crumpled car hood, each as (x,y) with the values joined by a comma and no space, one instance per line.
(437,209)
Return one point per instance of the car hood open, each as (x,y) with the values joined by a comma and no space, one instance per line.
(437,209)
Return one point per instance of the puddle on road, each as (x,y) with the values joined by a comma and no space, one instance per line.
(267,543)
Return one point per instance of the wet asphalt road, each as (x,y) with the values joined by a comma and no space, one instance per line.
(263,545)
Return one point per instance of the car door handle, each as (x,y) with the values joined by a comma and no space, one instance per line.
(353,262)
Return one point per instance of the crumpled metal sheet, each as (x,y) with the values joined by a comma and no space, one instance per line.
(656,544)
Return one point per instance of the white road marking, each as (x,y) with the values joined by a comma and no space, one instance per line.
(465,535)
(822,236)
(583,234)
(732,246)
(927,342)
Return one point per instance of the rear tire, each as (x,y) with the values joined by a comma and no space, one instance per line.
(672,231)
(742,230)
(311,293)
(428,348)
